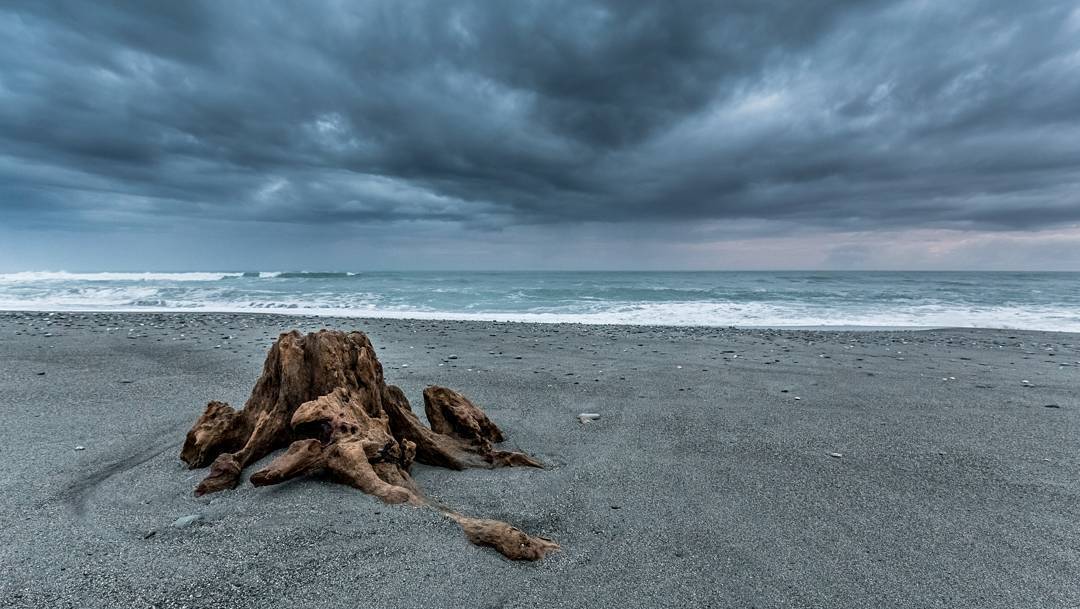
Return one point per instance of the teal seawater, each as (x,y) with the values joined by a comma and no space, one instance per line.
(1044,301)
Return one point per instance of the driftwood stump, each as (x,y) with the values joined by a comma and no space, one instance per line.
(322,396)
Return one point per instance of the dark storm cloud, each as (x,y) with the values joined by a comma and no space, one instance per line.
(842,114)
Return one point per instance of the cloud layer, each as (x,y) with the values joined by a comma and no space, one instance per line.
(485,116)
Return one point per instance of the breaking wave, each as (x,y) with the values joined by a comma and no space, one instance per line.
(1043,301)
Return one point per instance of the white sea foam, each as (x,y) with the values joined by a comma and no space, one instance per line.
(89,298)
(39,276)
(667,314)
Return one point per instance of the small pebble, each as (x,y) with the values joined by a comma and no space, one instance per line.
(836,455)
(185,521)
(80,448)
(585,417)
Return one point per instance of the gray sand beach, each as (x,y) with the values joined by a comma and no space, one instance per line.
(729,468)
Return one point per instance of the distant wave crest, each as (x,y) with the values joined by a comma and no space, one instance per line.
(313,275)
(38,276)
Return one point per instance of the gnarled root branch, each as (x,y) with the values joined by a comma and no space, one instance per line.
(511,542)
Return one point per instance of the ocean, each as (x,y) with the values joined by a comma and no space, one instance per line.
(1039,301)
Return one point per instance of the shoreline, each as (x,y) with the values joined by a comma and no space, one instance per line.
(483,320)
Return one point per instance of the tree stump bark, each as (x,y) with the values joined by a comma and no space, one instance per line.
(322,396)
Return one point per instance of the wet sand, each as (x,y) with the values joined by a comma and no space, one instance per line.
(729,468)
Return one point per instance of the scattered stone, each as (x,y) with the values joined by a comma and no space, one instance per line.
(585,417)
(41,374)
(80,448)
(1051,406)
(184,522)
(149,534)
(836,455)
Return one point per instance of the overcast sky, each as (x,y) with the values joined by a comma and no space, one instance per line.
(384,135)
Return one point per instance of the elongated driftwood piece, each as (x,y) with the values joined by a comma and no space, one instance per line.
(322,397)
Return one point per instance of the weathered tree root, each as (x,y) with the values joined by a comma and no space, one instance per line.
(507,540)
(324,398)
